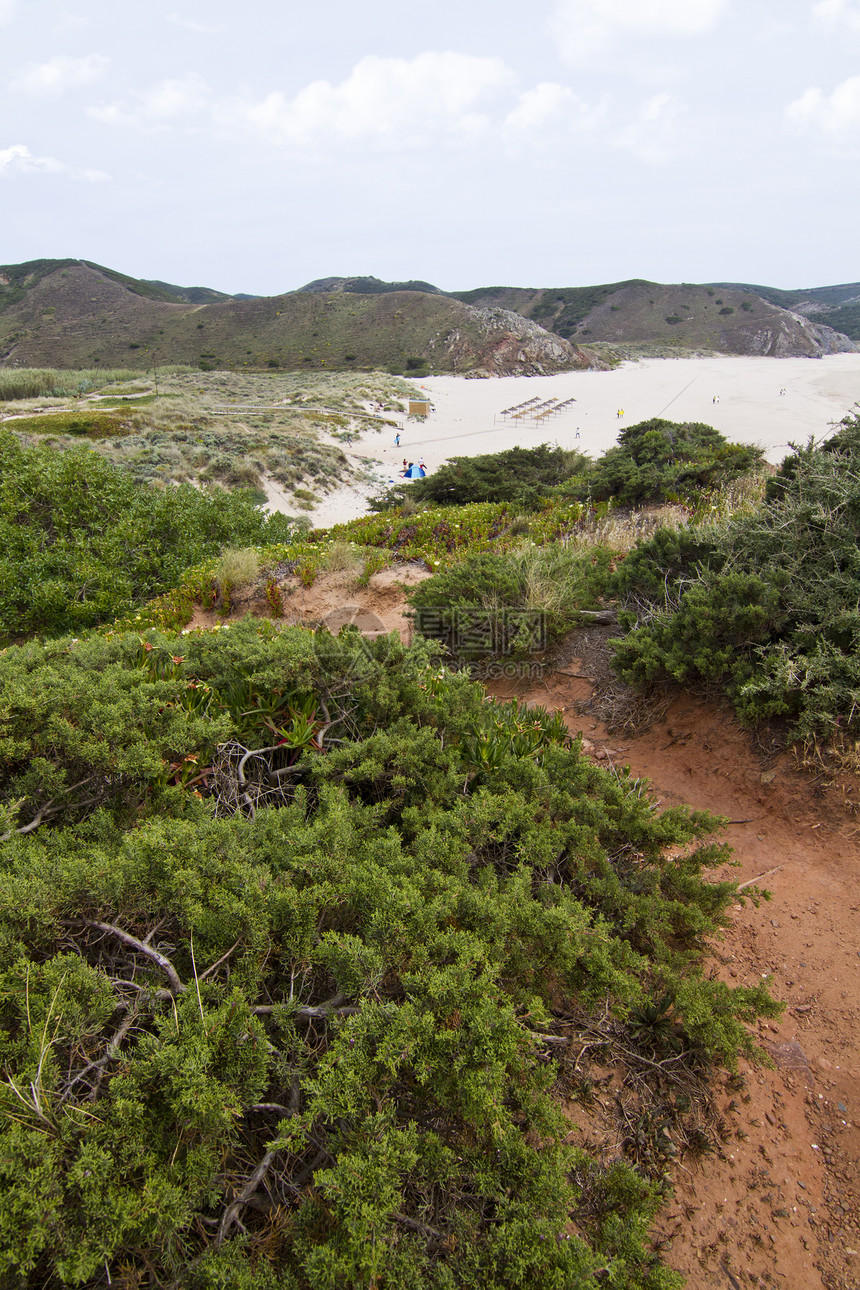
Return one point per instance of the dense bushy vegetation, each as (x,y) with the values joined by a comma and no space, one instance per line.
(33,382)
(288,926)
(511,603)
(766,605)
(658,460)
(522,476)
(295,931)
(653,461)
(81,543)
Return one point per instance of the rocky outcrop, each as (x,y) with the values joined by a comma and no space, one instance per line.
(788,335)
(497,342)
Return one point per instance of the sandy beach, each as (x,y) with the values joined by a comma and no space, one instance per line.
(467,415)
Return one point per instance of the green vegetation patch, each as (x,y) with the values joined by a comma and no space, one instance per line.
(20,278)
(521,476)
(766,605)
(81,543)
(845,320)
(658,460)
(36,382)
(84,421)
(291,926)
(514,604)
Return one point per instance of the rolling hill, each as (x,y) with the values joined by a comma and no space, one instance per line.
(726,320)
(73,313)
(837,307)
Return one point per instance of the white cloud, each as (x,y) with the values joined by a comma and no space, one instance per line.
(59,74)
(388,100)
(190,25)
(837,114)
(17,159)
(583,26)
(434,100)
(167,101)
(833,12)
(6,9)
(545,104)
(655,134)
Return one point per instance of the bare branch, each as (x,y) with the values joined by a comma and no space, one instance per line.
(328,1009)
(415,1226)
(176,985)
(51,807)
(111,1054)
(218,962)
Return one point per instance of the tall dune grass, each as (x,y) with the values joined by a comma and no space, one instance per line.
(51,382)
(37,382)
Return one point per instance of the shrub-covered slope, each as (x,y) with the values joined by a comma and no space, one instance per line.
(681,316)
(81,543)
(766,606)
(304,1038)
(77,314)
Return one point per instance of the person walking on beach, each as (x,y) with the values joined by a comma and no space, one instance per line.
(397,440)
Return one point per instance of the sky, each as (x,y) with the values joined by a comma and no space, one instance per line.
(254,147)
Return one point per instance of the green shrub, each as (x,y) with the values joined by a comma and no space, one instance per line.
(307,1045)
(513,603)
(766,605)
(522,476)
(660,460)
(81,543)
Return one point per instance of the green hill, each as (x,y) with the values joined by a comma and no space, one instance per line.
(79,314)
(837,307)
(75,314)
(720,319)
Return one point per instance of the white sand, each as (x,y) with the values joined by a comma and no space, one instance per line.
(466,417)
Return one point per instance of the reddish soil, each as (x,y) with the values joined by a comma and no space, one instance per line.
(778,1204)
(377,608)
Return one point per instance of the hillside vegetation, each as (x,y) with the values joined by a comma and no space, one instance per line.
(305,1036)
(78,314)
(305,944)
(765,606)
(837,307)
(75,313)
(639,316)
(81,543)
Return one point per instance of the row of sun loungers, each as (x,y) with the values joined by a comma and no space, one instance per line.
(537,409)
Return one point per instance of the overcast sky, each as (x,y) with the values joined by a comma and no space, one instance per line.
(254,146)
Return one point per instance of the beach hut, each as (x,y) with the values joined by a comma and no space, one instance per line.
(419,407)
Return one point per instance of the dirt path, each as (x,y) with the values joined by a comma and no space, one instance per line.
(778,1205)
